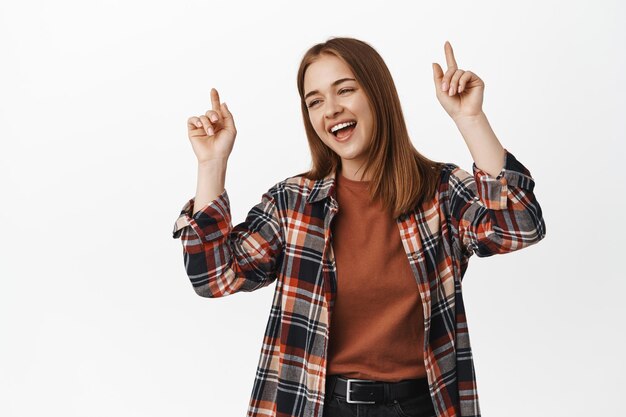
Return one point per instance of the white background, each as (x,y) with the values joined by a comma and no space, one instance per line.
(97,315)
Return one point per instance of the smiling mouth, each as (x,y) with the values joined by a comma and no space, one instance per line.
(344,132)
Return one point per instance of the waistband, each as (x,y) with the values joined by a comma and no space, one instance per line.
(365,391)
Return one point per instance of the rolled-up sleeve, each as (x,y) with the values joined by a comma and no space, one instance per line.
(221,259)
(495,215)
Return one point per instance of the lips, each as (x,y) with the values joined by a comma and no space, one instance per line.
(345,138)
(338,123)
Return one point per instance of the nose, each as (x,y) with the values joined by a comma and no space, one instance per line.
(332,108)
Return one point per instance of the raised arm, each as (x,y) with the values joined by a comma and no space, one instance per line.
(221,259)
(495,215)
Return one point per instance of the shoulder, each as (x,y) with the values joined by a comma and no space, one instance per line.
(452,174)
(292,186)
(455,181)
(450,171)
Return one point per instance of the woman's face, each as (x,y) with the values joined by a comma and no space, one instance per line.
(333,96)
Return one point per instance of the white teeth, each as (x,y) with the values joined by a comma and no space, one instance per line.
(341,126)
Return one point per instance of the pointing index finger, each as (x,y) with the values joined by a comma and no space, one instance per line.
(215,99)
(450,61)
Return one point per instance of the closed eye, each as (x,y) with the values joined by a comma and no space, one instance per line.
(314,102)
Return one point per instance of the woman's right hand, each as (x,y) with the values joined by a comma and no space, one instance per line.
(212,139)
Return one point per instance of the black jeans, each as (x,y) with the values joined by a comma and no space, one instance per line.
(419,405)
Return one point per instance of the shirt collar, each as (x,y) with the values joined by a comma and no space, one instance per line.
(322,188)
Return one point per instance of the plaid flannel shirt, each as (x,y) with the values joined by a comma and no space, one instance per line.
(286,239)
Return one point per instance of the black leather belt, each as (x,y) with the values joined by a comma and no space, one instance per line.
(364,391)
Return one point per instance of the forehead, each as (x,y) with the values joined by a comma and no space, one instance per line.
(323,71)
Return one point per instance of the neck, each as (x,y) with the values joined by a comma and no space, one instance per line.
(354,174)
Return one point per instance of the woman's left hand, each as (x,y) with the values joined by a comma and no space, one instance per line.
(459,92)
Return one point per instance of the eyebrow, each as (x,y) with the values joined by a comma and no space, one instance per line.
(339,81)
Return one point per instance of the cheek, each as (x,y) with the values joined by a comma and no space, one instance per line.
(318,127)
(368,119)
(362,106)
(320,131)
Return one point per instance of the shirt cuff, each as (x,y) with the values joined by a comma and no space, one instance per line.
(493,192)
(208,221)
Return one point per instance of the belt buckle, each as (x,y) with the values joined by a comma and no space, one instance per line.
(351,401)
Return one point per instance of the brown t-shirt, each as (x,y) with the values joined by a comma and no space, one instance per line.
(377,326)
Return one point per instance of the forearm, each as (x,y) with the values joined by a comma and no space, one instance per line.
(211,180)
(485,148)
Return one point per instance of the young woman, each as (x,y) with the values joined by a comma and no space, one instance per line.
(368,248)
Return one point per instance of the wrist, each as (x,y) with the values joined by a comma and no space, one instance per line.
(470,119)
(217,163)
